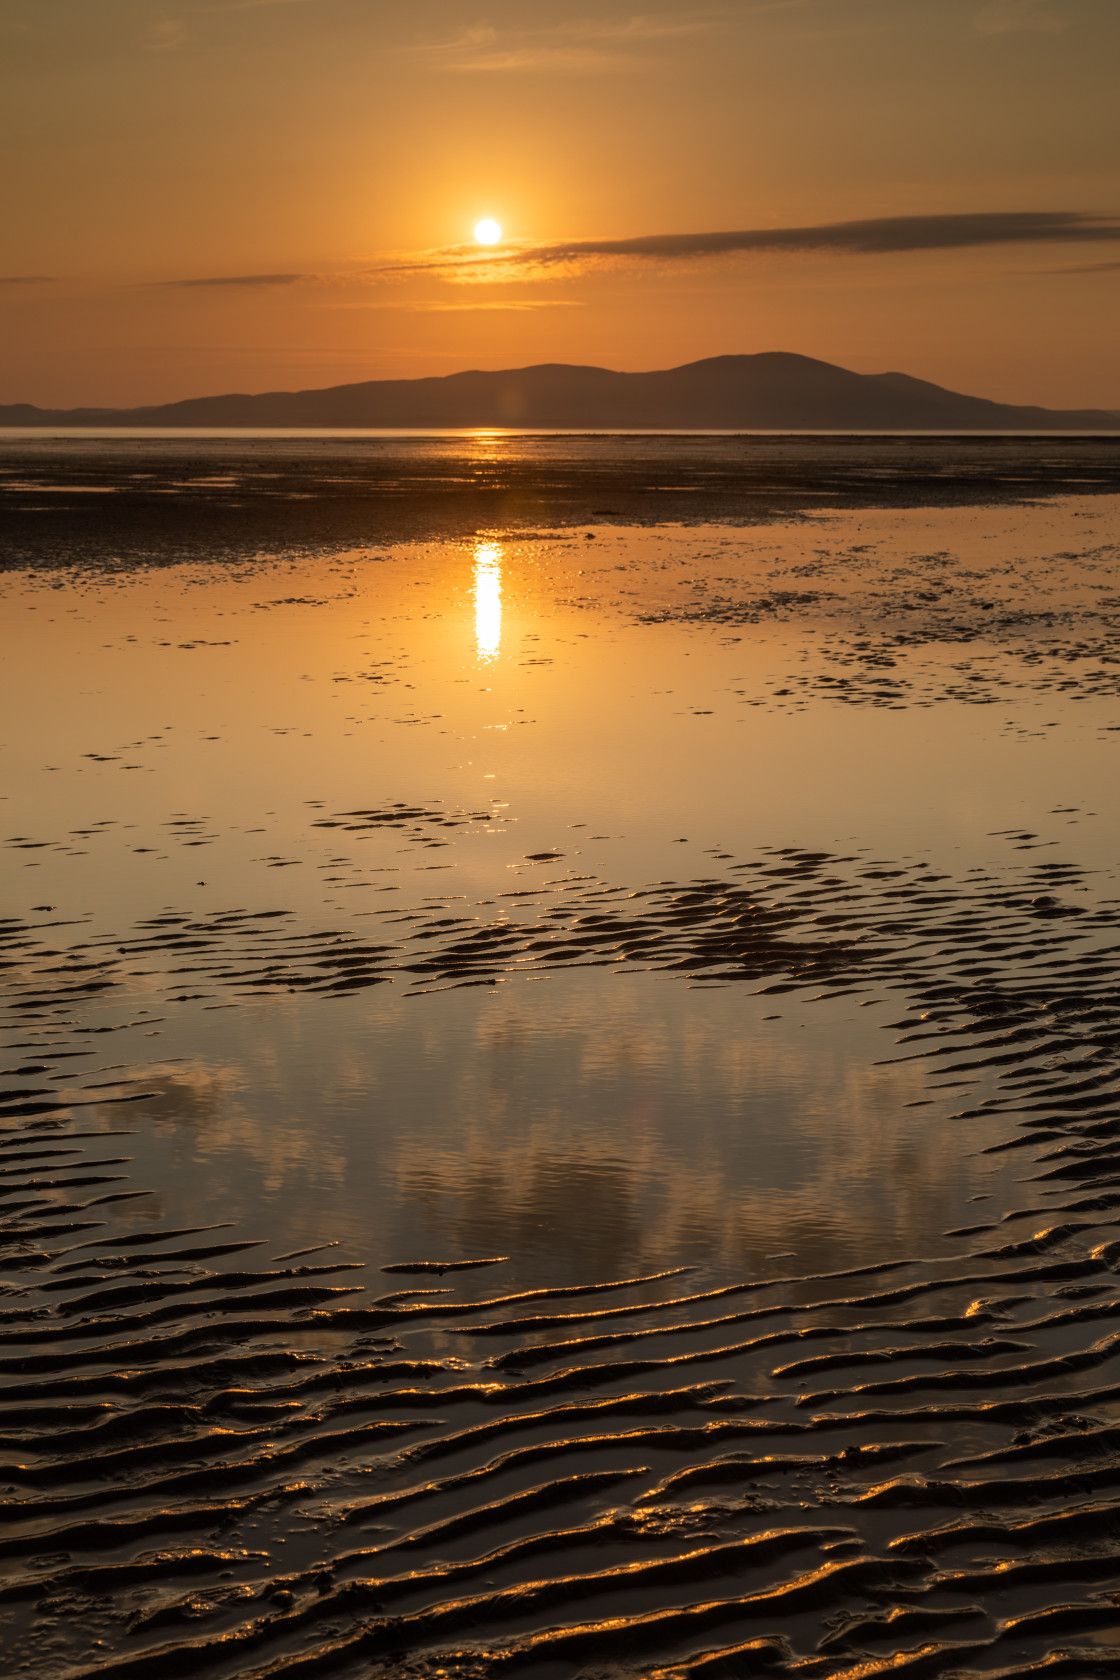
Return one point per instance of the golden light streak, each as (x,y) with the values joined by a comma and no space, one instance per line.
(488,601)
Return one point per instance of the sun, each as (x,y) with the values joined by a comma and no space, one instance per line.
(487,232)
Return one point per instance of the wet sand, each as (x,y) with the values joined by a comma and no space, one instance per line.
(559,1093)
(239,494)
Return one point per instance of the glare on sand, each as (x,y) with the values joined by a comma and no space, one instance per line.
(488,600)
(487,232)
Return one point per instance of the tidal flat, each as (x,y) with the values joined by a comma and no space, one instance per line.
(681,1240)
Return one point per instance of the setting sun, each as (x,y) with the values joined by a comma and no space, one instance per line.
(487,232)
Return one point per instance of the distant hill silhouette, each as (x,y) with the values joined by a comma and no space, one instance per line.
(775,390)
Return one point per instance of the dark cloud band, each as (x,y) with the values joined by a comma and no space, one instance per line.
(877,237)
(240,280)
(873,237)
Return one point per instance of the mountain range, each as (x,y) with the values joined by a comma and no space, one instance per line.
(774,390)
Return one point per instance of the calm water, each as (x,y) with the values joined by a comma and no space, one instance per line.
(751,833)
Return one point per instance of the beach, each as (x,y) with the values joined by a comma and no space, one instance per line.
(679,1240)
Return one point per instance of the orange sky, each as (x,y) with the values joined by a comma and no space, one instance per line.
(312,158)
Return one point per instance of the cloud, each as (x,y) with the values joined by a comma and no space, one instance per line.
(1009,17)
(1083,268)
(169,34)
(26,279)
(427,306)
(240,280)
(578,45)
(166,35)
(881,236)
(360,278)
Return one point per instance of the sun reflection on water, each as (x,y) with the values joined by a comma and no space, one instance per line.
(488,600)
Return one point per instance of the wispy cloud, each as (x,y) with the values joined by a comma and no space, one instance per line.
(255,5)
(1009,17)
(240,280)
(428,306)
(881,236)
(1083,268)
(333,282)
(169,34)
(166,35)
(26,279)
(578,45)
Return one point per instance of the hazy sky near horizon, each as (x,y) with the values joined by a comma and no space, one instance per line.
(215,195)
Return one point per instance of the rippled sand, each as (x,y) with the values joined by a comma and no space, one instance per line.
(680,1239)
